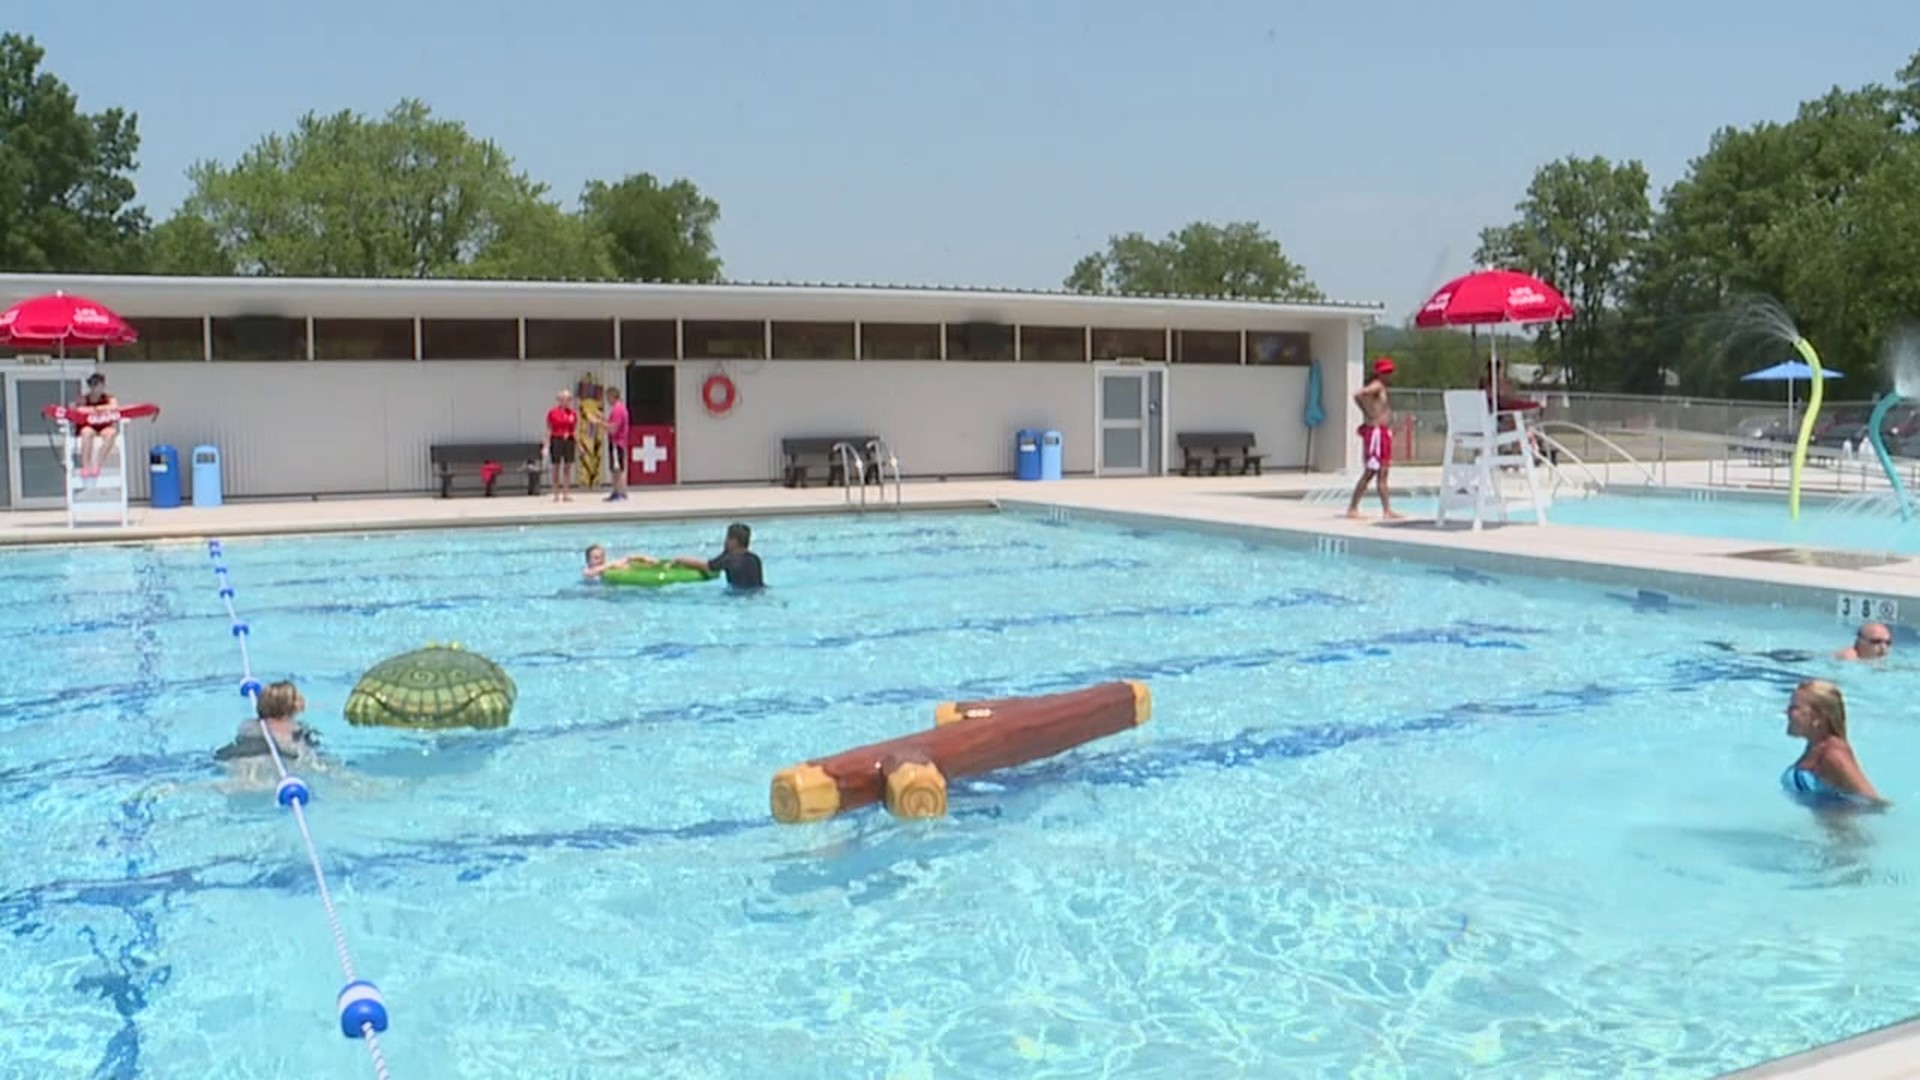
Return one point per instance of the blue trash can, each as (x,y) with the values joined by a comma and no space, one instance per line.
(1051,450)
(1026,454)
(206,476)
(163,473)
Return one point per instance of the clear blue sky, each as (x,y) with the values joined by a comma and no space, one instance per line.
(993,143)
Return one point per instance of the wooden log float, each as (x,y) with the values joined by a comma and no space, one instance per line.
(909,774)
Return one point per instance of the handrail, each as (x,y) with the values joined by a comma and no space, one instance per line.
(1604,441)
(853,471)
(1554,466)
(883,456)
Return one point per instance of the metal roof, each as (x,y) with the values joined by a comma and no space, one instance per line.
(156,295)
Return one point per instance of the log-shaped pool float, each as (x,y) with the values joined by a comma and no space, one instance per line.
(909,774)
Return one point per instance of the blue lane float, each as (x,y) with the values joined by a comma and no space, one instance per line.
(361,1010)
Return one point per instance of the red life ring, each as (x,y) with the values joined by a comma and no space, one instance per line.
(718,394)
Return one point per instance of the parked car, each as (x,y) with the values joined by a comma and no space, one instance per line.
(1766,428)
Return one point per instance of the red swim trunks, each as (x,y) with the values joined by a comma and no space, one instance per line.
(1376,446)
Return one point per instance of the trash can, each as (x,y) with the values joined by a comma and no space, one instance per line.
(1026,454)
(163,471)
(1051,450)
(206,476)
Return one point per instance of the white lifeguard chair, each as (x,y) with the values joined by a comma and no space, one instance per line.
(100,498)
(1476,452)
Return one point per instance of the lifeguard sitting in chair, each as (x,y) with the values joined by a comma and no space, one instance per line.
(95,419)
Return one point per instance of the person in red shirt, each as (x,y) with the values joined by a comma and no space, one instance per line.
(616,425)
(561,422)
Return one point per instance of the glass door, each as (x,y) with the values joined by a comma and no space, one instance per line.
(36,478)
(1121,407)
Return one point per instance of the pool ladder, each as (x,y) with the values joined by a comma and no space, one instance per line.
(853,469)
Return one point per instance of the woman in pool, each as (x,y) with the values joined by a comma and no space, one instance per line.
(1825,776)
(277,716)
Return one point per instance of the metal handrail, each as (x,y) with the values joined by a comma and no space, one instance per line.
(884,457)
(853,472)
(1604,441)
(1554,467)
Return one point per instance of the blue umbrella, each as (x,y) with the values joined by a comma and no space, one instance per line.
(1315,414)
(1789,372)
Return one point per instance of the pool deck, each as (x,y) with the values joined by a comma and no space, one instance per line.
(1687,566)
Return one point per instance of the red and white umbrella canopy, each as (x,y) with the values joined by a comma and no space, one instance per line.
(1493,296)
(63,319)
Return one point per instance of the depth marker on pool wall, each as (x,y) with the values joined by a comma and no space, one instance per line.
(361,1010)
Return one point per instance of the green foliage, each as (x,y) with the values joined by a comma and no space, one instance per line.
(1237,259)
(66,189)
(655,233)
(1581,226)
(411,195)
(1818,212)
(1443,359)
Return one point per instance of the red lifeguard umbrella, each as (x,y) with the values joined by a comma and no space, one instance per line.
(1491,297)
(62,319)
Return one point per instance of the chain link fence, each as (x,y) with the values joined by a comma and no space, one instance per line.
(1646,427)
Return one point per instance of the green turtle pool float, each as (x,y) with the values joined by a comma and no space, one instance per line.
(440,686)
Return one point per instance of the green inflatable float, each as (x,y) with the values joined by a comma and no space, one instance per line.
(438,687)
(654,576)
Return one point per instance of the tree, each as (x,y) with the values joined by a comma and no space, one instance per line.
(654,233)
(406,195)
(185,245)
(66,190)
(1582,225)
(1808,212)
(1237,259)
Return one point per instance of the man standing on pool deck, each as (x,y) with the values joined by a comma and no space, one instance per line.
(616,425)
(561,422)
(1376,438)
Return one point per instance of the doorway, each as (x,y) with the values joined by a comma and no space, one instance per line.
(650,394)
(35,477)
(1130,421)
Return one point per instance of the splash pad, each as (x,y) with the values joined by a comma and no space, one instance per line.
(1903,360)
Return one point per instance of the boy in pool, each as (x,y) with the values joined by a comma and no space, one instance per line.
(597,563)
(277,712)
(741,566)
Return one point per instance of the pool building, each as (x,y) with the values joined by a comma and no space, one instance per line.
(314,387)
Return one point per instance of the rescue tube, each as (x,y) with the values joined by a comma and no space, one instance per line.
(654,576)
(77,414)
(718,394)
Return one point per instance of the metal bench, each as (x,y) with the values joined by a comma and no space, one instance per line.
(1219,452)
(800,452)
(483,464)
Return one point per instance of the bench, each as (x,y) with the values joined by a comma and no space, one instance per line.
(798,452)
(1225,448)
(483,463)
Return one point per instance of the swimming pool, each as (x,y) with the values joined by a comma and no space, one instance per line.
(1386,819)
(1708,513)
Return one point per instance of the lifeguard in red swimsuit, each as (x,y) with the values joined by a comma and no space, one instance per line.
(1376,438)
(96,436)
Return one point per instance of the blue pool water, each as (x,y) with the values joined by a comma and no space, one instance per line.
(1386,820)
(1717,515)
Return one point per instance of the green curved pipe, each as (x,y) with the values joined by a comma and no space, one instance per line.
(1886,460)
(1805,349)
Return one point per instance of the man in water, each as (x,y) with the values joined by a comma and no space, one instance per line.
(1873,641)
(741,566)
(1376,438)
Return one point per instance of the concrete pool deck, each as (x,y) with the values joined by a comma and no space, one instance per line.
(1270,507)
